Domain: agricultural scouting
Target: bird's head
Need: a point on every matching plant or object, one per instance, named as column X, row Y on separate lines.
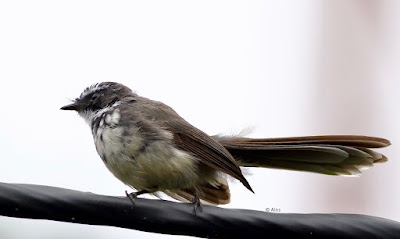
column 98, row 97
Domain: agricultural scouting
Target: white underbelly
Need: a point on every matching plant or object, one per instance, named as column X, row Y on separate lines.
column 158, row 167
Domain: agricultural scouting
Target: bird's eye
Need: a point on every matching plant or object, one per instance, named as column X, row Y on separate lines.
column 95, row 97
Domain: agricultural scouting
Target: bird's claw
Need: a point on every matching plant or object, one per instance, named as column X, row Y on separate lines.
column 196, row 204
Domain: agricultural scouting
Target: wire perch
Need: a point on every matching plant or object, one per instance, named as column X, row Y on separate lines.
column 59, row 204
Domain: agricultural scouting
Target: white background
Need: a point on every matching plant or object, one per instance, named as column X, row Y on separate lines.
column 284, row 68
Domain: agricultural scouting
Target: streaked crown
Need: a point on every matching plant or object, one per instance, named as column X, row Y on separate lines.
column 99, row 96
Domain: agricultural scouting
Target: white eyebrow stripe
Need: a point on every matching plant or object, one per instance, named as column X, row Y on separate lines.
column 93, row 88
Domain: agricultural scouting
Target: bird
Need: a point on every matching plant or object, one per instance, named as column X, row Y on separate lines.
column 151, row 148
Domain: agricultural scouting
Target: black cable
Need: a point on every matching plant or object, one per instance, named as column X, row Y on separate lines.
column 44, row 202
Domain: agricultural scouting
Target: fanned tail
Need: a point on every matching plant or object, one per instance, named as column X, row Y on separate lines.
column 332, row 155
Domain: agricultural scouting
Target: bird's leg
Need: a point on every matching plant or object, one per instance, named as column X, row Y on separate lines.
column 133, row 196
column 196, row 203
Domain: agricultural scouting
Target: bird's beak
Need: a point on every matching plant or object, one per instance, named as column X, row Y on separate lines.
column 74, row 106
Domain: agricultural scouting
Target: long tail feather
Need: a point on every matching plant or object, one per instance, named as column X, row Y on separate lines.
column 332, row 155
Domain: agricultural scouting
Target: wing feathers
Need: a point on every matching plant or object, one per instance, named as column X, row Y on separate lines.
column 190, row 139
column 210, row 153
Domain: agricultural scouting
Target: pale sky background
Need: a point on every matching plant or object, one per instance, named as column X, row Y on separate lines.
column 283, row 68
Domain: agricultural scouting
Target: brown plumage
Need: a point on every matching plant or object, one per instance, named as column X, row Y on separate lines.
column 149, row 147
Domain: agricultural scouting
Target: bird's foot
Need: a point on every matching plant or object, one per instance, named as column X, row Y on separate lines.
column 196, row 203
column 133, row 196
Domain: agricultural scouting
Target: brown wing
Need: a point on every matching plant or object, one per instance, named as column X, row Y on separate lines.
column 206, row 149
column 191, row 139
